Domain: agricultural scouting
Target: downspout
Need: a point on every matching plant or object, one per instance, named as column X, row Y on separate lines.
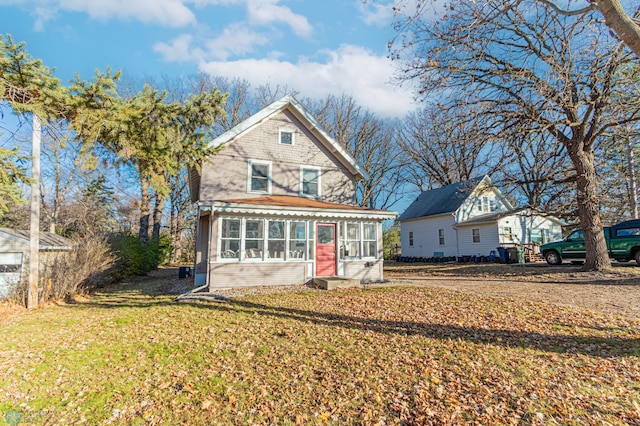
column 455, row 228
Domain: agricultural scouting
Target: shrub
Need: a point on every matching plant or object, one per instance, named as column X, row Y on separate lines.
column 67, row 273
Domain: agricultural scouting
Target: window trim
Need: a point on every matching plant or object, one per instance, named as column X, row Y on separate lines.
column 363, row 241
column 250, row 176
column 315, row 168
column 410, row 238
column 441, row 240
column 473, row 235
column 287, row 130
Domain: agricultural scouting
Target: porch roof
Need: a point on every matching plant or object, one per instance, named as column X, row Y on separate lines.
column 285, row 205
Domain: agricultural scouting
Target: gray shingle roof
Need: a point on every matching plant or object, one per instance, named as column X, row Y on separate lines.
column 441, row 200
column 48, row 241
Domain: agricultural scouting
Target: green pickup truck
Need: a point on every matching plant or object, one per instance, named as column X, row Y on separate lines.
column 623, row 243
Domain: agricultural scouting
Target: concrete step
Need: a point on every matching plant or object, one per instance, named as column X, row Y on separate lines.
column 331, row 283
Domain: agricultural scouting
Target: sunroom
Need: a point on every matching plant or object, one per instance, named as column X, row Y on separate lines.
column 253, row 243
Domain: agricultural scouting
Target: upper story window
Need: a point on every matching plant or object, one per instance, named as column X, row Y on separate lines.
column 286, row 136
column 486, row 204
column 309, row 181
column 259, row 177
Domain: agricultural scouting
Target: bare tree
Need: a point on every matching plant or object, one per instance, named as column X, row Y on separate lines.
column 531, row 70
column 371, row 141
column 622, row 23
column 446, row 146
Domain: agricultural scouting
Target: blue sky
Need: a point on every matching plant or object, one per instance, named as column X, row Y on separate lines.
column 317, row 47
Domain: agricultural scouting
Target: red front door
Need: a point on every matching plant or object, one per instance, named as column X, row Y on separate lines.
column 325, row 249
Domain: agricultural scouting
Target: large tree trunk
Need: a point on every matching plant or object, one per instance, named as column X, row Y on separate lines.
column 157, row 217
column 597, row 257
column 631, row 177
column 145, row 209
column 619, row 21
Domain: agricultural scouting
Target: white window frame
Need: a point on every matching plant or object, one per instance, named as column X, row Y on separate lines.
column 441, row 239
column 285, row 130
column 363, row 241
column 410, row 238
column 250, row 176
column 265, row 240
column 473, row 235
column 315, row 168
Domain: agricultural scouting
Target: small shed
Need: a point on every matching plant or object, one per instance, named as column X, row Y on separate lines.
column 14, row 253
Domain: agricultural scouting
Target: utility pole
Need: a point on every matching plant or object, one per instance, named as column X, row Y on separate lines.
column 34, row 234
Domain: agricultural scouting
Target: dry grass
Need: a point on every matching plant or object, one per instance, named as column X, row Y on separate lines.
column 381, row 356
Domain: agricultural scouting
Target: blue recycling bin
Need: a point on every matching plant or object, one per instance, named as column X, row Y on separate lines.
column 503, row 254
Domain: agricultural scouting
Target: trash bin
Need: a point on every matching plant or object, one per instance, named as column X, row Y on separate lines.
column 520, row 252
column 492, row 256
column 184, row 272
column 512, row 255
column 503, row 255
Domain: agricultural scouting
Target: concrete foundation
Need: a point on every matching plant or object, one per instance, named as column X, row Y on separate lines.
column 331, row 283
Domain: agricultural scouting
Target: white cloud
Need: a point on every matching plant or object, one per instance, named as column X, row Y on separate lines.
column 236, row 39
column 378, row 14
column 43, row 15
column 265, row 12
column 350, row 70
column 169, row 13
column 179, row 50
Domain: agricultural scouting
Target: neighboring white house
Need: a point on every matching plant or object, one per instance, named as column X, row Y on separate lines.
column 14, row 253
column 470, row 218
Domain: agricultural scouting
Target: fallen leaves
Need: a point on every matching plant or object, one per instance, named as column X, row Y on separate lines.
column 392, row 356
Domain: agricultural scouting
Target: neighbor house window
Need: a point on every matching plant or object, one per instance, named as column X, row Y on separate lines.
column 476, row 235
column 286, row 137
column 441, row 236
column 297, row 240
column 253, row 239
column 410, row 239
column 260, row 176
column 309, row 181
column 508, row 233
column 369, row 241
column 275, row 239
column 230, row 239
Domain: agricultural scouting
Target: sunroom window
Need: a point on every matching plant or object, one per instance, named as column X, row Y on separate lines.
column 275, row 239
column 352, row 248
column 254, row 239
column 230, row 239
column 297, row 240
column 369, row 240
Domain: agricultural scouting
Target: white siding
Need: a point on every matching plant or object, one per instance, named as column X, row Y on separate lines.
column 488, row 239
column 468, row 209
column 521, row 226
column 425, row 236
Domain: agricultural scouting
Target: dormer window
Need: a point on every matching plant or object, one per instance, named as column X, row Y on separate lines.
column 286, row 137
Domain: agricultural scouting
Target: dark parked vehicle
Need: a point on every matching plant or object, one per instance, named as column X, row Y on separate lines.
column 623, row 244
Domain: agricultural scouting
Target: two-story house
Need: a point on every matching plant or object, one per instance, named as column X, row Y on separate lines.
column 470, row 218
column 277, row 205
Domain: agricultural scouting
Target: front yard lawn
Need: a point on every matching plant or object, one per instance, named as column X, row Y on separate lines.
column 383, row 356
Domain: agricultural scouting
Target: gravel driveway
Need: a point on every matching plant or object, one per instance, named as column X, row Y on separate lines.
column 616, row 292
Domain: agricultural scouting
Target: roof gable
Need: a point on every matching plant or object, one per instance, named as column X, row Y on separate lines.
column 289, row 103
column 446, row 199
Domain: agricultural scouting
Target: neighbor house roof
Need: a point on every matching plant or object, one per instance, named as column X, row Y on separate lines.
column 48, row 240
column 446, row 199
column 290, row 103
column 287, row 205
